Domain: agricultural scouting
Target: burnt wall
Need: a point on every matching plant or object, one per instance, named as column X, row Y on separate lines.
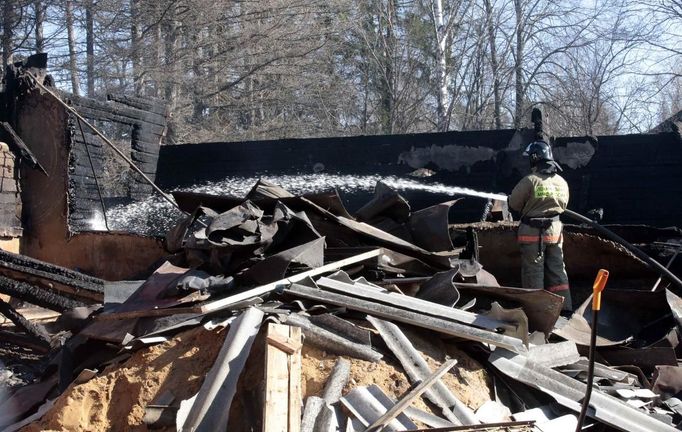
column 10, row 200
column 636, row 179
column 41, row 123
column 458, row 158
column 139, row 124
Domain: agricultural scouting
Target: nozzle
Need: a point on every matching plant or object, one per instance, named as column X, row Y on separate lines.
column 598, row 287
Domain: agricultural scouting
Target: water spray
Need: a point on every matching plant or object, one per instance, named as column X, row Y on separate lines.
column 439, row 188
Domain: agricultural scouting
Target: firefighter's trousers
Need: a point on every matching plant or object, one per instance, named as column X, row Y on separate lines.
column 546, row 270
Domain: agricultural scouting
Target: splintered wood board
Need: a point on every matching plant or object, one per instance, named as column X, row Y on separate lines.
column 282, row 408
column 295, row 366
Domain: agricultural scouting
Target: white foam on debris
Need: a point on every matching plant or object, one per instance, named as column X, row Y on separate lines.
column 155, row 216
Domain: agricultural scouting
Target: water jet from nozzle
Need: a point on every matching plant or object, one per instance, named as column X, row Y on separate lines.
column 439, row 188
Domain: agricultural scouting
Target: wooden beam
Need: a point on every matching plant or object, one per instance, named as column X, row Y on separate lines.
column 276, row 407
column 143, row 313
column 286, row 344
column 282, row 409
column 18, row 145
column 295, row 374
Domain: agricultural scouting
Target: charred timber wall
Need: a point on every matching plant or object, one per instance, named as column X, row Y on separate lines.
column 634, row 178
column 42, row 124
column 143, row 122
column 459, row 158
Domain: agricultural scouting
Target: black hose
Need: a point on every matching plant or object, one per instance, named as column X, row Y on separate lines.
column 652, row 263
column 590, row 372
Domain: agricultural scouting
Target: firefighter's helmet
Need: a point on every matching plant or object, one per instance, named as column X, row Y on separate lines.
column 538, row 151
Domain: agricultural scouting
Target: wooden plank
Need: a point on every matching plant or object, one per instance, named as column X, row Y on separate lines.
column 295, row 372
column 113, row 110
column 156, row 106
column 19, row 146
column 276, row 407
column 147, row 313
column 288, row 345
column 33, row 314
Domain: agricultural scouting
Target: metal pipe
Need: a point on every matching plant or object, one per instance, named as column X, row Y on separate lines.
column 652, row 263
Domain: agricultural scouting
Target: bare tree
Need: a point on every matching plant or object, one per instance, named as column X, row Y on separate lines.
column 90, row 46
column 276, row 68
column 441, row 33
column 9, row 14
column 491, row 26
column 39, row 10
column 73, row 60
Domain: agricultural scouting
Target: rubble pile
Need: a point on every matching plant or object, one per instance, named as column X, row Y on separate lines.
column 278, row 312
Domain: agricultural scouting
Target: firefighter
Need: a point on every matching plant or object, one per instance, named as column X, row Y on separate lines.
column 541, row 197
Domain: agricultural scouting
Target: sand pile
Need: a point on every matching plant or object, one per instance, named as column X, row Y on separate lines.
column 115, row 400
column 468, row 381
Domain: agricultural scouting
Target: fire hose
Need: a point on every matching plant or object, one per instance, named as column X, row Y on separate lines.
column 597, row 288
column 652, row 263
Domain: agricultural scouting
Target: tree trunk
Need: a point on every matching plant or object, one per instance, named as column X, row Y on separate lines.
column 494, row 65
column 171, row 91
column 135, row 48
column 73, row 64
column 90, row 46
column 159, row 51
column 39, row 20
column 518, row 66
column 441, row 67
column 388, row 81
column 199, row 106
column 8, row 10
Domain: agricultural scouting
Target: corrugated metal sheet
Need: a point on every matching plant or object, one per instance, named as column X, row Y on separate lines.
column 569, row 393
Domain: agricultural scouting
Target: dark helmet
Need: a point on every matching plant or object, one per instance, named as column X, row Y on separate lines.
column 539, row 150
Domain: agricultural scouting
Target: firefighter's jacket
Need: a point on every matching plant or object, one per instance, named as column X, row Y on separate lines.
column 540, row 195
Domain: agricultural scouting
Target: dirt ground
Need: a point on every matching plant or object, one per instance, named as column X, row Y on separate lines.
column 115, row 400
column 467, row 380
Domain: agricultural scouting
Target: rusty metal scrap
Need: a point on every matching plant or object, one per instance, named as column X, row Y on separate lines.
column 541, row 307
column 440, row 288
column 269, row 288
column 430, row 228
column 387, row 203
column 649, row 319
column 309, row 255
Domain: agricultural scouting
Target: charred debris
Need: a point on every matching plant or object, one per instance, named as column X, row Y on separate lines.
column 278, row 312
